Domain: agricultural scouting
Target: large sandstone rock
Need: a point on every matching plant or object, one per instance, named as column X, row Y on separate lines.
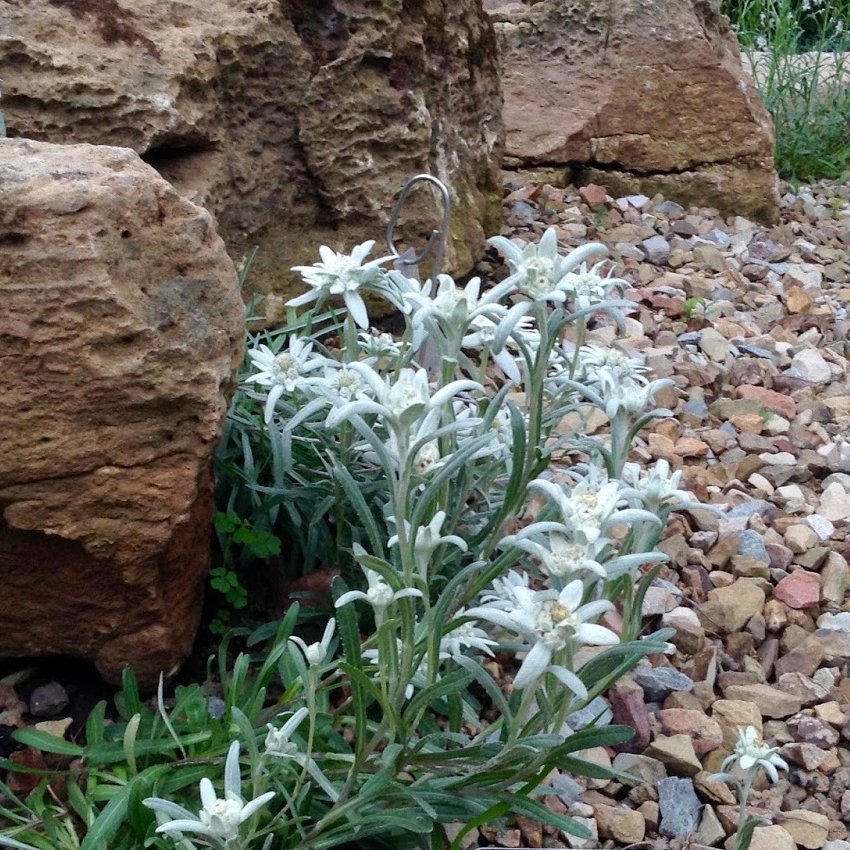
column 293, row 121
column 120, row 333
column 639, row 95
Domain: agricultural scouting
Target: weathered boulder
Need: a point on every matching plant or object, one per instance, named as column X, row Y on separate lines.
column 121, row 330
column 638, row 95
column 293, row 121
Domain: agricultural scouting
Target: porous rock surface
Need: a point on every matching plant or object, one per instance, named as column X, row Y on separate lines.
column 121, row 330
column 641, row 95
column 293, row 121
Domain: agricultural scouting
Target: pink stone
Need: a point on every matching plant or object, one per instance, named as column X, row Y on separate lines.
column 777, row 402
column 629, row 709
column 593, row 195
column 801, row 589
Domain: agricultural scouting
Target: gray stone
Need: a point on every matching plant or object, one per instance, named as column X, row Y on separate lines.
column 752, row 546
column 596, row 712
column 747, row 509
column 659, row 682
column 657, row 249
column 680, row 807
column 48, row 700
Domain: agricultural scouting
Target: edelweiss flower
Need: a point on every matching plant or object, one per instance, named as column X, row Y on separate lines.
column 594, row 360
column 589, row 508
column 426, row 541
column 658, row 486
column 453, row 307
column 751, row 752
column 400, row 402
column 560, row 556
column 585, row 508
column 484, row 330
column 282, row 372
column 220, row 818
column 465, row 636
column 316, row 653
column 378, row 345
column 554, row 621
column 277, row 740
column 341, row 274
column 378, row 594
column 587, row 287
column 539, row 270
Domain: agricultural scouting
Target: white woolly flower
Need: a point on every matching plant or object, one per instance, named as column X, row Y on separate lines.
column 220, row 818
column 752, row 752
column 282, row 372
column 559, row 555
column 278, row 743
column 585, row 508
column 589, row 508
column 378, row 345
column 341, row 384
column 594, row 359
column 401, row 400
column 586, row 287
column 657, row 486
column 538, row 270
column 378, row 594
column 452, row 306
column 427, row 540
column 483, row 330
column 465, row 636
column 316, row 653
column 553, row 621
column 341, row 274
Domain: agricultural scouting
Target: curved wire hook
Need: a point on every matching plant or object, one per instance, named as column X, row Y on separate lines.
column 436, row 241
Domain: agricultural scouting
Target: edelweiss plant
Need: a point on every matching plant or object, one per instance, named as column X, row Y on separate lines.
column 750, row 754
column 467, row 624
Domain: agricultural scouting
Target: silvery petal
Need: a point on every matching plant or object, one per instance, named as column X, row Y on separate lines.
column 168, row 808
column 568, row 678
column 208, row 796
column 350, row 596
column 232, row 774
column 301, row 300
column 596, row 635
column 274, row 396
column 357, row 309
column 185, row 826
column 255, row 805
column 534, row 665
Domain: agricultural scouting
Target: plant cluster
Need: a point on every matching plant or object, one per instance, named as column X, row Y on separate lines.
column 740, row 769
column 797, row 50
column 467, row 633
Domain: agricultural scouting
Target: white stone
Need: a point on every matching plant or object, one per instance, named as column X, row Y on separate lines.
column 834, row 502
column 809, row 365
column 821, row 526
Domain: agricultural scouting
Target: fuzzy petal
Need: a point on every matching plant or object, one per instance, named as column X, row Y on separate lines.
column 274, row 396
column 255, row 805
column 594, row 635
column 350, row 596
column 569, row 679
column 534, row 666
column 232, row 774
column 208, row 797
column 357, row 309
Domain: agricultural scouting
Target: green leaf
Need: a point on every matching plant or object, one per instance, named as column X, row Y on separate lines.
column 5, row 841
column 452, row 683
column 47, row 743
column 377, row 536
column 226, row 522
column 95, row 723
column 108, row 822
